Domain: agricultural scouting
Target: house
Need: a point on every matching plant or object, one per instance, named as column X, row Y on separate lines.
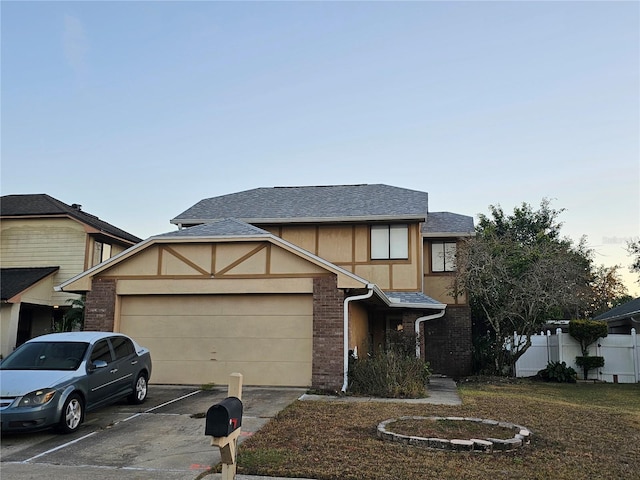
column 283, row 284
column 44, row 242
column 623, row 318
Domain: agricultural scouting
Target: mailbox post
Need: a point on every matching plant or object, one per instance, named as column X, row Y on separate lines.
column 224, row 421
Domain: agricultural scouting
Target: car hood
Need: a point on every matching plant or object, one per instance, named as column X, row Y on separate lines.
column 14, row 383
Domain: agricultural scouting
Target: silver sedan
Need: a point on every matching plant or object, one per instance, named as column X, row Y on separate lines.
column 52, row 380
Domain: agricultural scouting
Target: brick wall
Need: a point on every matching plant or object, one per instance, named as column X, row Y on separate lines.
column 328, row 338
column 99, row 311
column 447, row 342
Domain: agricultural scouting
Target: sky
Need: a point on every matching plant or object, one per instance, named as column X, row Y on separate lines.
column 138, row 110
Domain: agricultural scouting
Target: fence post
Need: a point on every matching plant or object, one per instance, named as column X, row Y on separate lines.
column 636, row 360
column 560, row 349
column 548, row 347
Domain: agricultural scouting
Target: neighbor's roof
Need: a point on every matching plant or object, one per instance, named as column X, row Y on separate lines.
column 625, row 310
column 447, row 223
column 43, row 205
column 16, row 280
column 311, row 204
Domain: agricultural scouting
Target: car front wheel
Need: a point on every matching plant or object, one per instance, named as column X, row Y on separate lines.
column 72, row 414
column 140, row 389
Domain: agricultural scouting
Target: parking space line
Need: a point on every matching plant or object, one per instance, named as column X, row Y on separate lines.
column 59, row 447
column 172, row 401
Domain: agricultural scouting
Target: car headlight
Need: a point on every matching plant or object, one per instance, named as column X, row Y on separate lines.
column 37, row 398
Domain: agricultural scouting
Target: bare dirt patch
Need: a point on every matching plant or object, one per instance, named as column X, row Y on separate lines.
column 444, row 428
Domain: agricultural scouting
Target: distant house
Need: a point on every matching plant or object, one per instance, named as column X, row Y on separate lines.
column 44, row 242
column 623, row 318
column 283, row 284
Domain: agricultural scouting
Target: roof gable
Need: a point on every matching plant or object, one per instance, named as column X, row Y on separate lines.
column 43, row 205
column 227, row 227
column 311, row 204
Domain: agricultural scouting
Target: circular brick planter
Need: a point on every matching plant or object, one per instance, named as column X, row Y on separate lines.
column 522, row 436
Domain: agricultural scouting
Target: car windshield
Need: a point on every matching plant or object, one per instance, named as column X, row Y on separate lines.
column 46, row 356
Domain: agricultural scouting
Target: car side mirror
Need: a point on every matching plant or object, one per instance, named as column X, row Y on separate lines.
column 97, row 364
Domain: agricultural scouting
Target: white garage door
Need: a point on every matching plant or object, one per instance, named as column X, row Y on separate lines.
column 201, row 339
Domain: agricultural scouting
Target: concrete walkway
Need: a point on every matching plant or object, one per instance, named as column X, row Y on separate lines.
column 441, row 391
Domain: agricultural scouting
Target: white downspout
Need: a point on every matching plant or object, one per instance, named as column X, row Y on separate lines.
column 419, row 321
column 347, row 301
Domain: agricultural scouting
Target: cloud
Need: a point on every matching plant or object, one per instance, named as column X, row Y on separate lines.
column 75, row 44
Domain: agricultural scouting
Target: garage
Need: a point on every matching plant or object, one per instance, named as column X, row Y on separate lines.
column 200, row 339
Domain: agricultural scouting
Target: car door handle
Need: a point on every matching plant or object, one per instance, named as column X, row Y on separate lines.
column 134, row 362
column 113, row 371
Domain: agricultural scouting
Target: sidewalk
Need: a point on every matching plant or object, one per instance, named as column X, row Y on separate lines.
column 441, row 391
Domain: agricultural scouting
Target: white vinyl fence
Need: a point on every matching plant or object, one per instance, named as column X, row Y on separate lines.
column 621, row 356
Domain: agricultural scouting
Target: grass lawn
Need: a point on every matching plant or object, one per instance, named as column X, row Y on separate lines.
column 580, row 431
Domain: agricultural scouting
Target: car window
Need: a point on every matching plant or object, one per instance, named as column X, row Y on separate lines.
column 122, row 346
column 46, row 356
column 101, row 351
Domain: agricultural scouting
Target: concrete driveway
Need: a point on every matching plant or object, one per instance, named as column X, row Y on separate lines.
column 161, row 439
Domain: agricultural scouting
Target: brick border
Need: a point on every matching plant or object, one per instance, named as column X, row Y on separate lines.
column 486, row 445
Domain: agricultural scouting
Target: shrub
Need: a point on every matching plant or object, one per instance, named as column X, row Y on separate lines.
column 396, row 373
column 587, row 332
column 589, row 363
column 558, row 372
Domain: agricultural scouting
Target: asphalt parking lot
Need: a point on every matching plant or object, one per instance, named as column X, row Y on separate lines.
column 161, row 439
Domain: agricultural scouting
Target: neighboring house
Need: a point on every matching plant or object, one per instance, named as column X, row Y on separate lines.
column 623, row 318
column 44, row 242
column 283, row 284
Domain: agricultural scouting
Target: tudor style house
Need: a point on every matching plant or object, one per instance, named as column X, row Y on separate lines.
column 44, row 242
column 283, row 284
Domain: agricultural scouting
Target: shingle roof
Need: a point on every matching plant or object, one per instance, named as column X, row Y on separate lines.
column 44, row 205
column 16, row 280
column 414, row 298
column 447, row 223
column 628, row 309
column 228, row 227
column 311, row 204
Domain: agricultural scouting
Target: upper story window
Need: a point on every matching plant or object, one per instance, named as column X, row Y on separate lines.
column 389, row 242
column 443, row 256
column 101, row 252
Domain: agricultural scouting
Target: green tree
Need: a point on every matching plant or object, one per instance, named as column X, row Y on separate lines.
column 606, row 290
column 519, row 273
column 73, row 318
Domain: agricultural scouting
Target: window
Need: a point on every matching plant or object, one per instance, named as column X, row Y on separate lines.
column 101, row 351
column 122, row 346
column 101, row 252
column 389, row 242
column 443, row 256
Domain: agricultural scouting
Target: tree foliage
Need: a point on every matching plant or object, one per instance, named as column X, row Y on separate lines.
column 606, row 290
column 633, row 247
column 587, row 331
column 519, row 273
